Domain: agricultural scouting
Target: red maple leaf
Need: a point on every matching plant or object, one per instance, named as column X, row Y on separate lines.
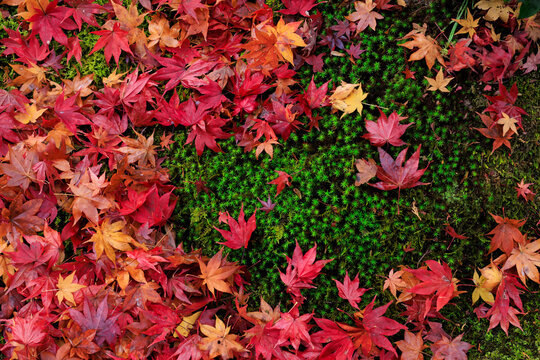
column 350, row 291
column 302, row 270
column 337, row 337
column 99, row 319
column 505, row 234
column 437, row 281
column 376, row 328
column 394, row 175
column 504, row 103
column 69, row 112
column 282, row 180
column 48, row 23
column 312, row 99
column 298, row 7
column 293, row 329
column 240, row 231
column 114, row 41
column 156, row 209
column 386, row 130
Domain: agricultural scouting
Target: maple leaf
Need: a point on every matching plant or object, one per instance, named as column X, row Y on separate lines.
column 508, row 124
column 109, row 236
column 437, row 281
column 27, row 331
column 282, row 180
column 69, row 112
column 439, row 83
column 524, row 191
column 480, row 290
column 30, row 115
column 394, row 175
column 293, row 329
column 306, row 269
column 376, row 328
column 461, row 56
column 386, row 130
column 218, row 341
column 367, row 169
column 348, row 98
column 364, row 15
column 48, row 20
column 301, row 7
column 494, row 131
column 526, row 259
column 412, row 346
column 394, row 282
column 504, row 103
column 114, row 41
column 349, row 290
column 162, row 33
column 468, row 25
column 450, row 349
column 215, row 275
column 98, row 319
column 313, row 98
column 428, row 49
column 240, row 231
column 286, row 38
column 140, row 150
column 496, row 9
column 267, row 205
column 22, row 215
column 505, row 234
column 20, row 169
column 66, row 288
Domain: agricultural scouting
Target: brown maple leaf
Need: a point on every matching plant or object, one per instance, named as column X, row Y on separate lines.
column 526, row 259
column 427, row 48
column 468, row 25
column 412, row 346
column 162, row 34
column 22, row 215
column 218, row 341
column 20, row 167
column 216, row 275
column 439, row 83
column 367, row 169
column 141, row 150
column 364, row 15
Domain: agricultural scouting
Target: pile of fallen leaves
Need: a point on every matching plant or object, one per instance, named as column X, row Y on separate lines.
column 113, row 283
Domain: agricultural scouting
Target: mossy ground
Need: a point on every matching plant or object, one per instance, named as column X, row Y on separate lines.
column 360, row 227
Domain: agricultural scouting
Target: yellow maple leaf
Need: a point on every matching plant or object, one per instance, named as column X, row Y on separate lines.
column 496, row 9
column 218, row 341
column 286, row 38
column 31, row 115
column 348, row 98
column 468, row 24
column 186, row 325
column 480, row 291
column 109, row 237
column 508, row 123
column 66, row 288
column 439, row 83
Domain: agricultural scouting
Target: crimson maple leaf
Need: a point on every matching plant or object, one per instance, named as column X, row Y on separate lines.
column 302, row 270
column 386, row 130
column 282, row 180
column 350, row 291
column 376, row 328
column 504, row 103
column 27, row 332
column 48, row 23
column 69, row 112
column 338, row 338
column 394, row 175
column 501, row 313
column 114, row 41
column 293, row 329
column 312, row 99
column 437, row 281
column 240, row 231
column 298, row 7
column 156, row 209
column 505, row 234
